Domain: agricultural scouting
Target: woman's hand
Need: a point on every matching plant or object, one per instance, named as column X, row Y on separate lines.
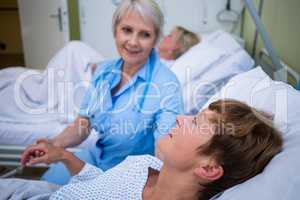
column 42, row 152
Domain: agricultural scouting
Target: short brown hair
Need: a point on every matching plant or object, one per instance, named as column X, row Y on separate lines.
column 186, row 39
column 244, row 142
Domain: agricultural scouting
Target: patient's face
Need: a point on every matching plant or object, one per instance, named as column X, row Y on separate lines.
column 169, row 42
column 179, row 147
column 135, row 38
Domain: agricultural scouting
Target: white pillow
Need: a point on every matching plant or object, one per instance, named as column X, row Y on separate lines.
column 208, row 66
column 198, row 90
column 281, row 178
column 223, row 40
column 195, row 61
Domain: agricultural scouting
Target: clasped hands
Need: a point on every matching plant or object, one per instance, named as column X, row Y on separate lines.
column 42, row 152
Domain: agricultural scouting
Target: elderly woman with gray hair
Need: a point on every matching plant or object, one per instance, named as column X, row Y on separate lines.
column 131, row 102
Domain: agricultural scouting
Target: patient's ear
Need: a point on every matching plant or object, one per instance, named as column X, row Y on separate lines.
column 209, row 170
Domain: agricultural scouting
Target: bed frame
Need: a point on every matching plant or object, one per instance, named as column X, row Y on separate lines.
column 292, row 76
column 10, row 157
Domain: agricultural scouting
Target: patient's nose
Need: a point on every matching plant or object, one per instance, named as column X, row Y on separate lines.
column 183, row 119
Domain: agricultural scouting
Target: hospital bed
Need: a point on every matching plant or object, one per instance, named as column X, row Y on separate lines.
column 280, row 180
column 47, row 105
column 213, row 65
column 10, row 152
column 232, row 56
column 18, row 129
column 10, row 157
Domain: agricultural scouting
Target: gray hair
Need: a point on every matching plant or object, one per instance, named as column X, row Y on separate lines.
column 148, row 9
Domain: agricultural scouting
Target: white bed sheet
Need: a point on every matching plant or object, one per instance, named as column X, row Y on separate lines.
column 26, row 134
column 18, row 127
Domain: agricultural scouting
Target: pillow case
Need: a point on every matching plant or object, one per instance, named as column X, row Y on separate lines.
column 281, row 178
column 208, row 66
column 196, row 60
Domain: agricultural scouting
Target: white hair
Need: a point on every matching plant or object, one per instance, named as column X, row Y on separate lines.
column 148, row 9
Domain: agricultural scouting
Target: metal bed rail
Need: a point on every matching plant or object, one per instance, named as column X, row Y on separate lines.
column 271, row 70
column 10, row 156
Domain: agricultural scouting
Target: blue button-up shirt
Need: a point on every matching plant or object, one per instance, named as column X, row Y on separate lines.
column 131, row 120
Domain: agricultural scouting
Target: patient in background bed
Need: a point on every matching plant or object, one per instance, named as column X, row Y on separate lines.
column 224, row 145
column 175, row 44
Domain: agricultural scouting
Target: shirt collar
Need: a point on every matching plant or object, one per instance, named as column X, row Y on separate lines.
column 142, row 72
column 151, row 62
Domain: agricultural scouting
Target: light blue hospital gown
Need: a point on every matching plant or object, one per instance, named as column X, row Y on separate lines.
column 126, row 181
column 130, row 121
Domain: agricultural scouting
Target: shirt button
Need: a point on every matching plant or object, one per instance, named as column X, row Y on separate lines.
column 93, row 116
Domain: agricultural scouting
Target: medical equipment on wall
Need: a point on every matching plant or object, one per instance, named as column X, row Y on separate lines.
column 229, row 16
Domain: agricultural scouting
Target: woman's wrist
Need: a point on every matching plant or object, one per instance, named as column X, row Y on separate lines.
column 66, row 157
column 55, row 143
column 73, row 163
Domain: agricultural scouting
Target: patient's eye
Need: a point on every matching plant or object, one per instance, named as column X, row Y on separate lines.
column 194, row 121
column 178, row 123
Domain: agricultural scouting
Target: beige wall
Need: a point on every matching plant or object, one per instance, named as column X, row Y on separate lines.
column 282, row 21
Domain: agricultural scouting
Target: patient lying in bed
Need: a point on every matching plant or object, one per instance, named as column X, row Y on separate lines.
column 179, row 41
column 224, row 145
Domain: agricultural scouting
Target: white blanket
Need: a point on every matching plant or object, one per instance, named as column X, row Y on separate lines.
column 30, row 96
column 19, row 189
column 38, row 104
